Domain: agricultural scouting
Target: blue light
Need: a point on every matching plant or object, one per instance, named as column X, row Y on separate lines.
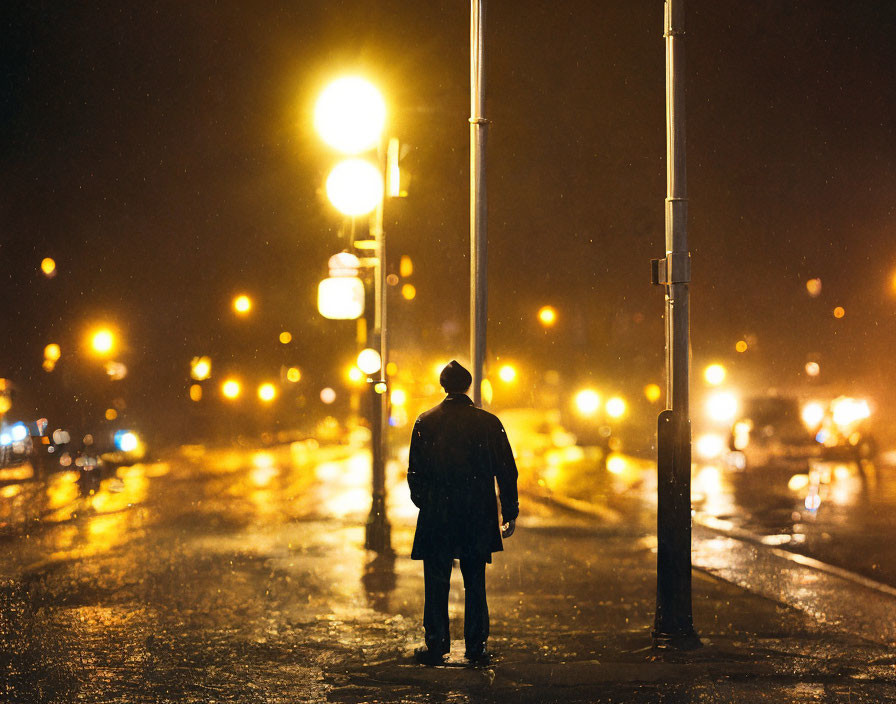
column 822, row 436
column 19, row 432
column 5, row 439
column 125, row 440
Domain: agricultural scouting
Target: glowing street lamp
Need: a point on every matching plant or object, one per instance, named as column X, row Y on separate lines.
column 200, row 368
column 616, row 407
column 715, row 374
column 369, row 361
column 350, row 115
column 102, row 341
column 341, row 296
column 587, row 402
column 507, row 373
column 355, row 187
column 231, row 389
column 242, row 304
column 267, row 392
column 547, row 316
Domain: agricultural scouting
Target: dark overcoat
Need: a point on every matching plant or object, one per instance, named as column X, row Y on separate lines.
column 457, row 452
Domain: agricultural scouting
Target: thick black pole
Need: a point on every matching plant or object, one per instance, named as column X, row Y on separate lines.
column 674, row 617
column 378, row 534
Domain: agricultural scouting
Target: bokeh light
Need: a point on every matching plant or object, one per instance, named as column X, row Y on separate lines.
column 285, row 337
column 242, row 304
column 102, row 341
column 813, row 368
column 616, row 407
column 715, row 374
column 195, row 392
column 653, row 392
column 354, row 187
column 839, row 312
column 48, row 266
column 369, row 361
column 812, row 414
column 507, row 373
column 813, row 286
column 327, row 395
column 722, row 406
column 409, row 292
column 587, row 402
column 200, row 368
column 293, row 374
column 231, row 389
column 350, row 115
column 741, row 346
column 267, row 392
column 547, row 316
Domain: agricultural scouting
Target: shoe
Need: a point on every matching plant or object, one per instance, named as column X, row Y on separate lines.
column 425, row 656
column 478, row 656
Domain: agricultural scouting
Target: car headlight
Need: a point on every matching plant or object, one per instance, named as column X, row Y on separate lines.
column 710, row 446
column 126, row 441
column 722, row 406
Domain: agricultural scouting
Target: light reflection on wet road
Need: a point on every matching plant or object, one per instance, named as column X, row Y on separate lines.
column 238, row 575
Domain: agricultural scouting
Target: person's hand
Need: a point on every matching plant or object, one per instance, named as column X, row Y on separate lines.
column 508, row 528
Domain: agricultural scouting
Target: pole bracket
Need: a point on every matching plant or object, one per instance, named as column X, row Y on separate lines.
column 479, row 121
column 674, row 268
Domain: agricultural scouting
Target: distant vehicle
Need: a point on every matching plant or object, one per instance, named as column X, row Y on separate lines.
column 770, row 430
column 779, row 430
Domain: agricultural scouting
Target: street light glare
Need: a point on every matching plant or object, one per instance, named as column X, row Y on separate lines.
column 547, row 316
column 231, row 388
column 102, row 341
column 369, row 361
column 715, row 374
column 507, row 373
column 242, row 304
column 267, row 392
column 355, row 187
column 587, row 402
column 616, row 407
column 350, row 115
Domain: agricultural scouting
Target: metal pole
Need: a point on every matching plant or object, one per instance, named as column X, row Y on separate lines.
column 478, row 202
column 674, row 617
column 378, row 530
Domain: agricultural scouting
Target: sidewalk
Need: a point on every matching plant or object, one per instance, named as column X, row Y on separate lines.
column 582, row 634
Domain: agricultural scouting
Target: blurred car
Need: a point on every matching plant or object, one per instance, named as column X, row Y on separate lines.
column 780, row 430
column 770, row 430
column 843, row 429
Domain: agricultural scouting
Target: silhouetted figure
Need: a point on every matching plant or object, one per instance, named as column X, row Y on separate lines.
column 457, row 452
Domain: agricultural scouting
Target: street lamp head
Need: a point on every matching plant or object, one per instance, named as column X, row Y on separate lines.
column 355, row 187
column 369, row 361
column 102, row 341
column 350, row 115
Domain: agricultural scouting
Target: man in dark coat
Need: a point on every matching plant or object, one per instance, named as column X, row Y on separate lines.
column 457, row 452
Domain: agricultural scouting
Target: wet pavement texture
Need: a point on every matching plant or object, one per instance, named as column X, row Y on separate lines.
column 240, row 576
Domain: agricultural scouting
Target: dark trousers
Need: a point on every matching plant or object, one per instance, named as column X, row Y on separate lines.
column 437, row 582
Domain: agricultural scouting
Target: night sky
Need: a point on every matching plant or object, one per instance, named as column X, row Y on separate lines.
column 163, row 154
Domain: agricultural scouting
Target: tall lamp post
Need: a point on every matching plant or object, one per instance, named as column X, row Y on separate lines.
column 350, row 116
column 674, row 619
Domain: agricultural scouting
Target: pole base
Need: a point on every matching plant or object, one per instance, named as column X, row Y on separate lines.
column 677, row 641
column 378, row 534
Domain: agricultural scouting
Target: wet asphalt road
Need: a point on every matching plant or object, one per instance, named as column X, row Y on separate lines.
column 238, row 576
